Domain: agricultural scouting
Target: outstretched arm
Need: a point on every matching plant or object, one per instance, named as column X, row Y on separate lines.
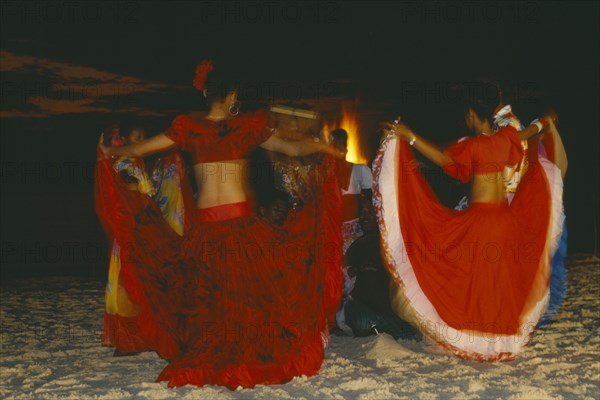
column 542, row 124
column 546, row 126
column 296, row 148
column 140, row 149
column 528, row 132
column 428, row 149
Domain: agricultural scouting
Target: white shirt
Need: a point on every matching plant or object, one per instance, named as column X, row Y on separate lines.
column 361, row 179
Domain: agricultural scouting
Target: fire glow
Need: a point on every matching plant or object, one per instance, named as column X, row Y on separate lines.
column 349, row 123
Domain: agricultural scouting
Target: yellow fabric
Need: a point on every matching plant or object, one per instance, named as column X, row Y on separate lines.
column 513, row 175
column 170, row 199
column 172, row 205
column 116, row 299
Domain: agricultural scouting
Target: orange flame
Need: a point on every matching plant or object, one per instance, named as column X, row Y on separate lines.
column 349, row 123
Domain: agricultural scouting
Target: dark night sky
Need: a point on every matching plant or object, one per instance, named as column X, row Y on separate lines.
column 69, row 68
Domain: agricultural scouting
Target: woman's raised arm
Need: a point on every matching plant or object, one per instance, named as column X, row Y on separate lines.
column 428, row 149
column 537, row 126
column 296, row 148
column 141, row 149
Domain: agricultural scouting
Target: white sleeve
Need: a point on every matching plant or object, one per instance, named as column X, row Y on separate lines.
column 366, row 178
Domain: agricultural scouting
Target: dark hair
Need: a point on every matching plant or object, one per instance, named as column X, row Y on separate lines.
column 220, row 82
column 339, row 134
column 483, row 97
column 124, row 130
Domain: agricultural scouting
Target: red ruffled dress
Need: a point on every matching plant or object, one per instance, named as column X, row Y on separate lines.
column 475, row 281
column 233, row 302
column 120, row 326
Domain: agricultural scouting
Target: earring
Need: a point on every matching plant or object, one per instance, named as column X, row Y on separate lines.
column 234, row 108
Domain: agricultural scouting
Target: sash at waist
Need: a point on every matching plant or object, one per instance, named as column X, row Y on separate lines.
column 223, row 212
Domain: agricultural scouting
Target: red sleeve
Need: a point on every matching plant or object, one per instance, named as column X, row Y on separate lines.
column 242, row 135
column 256, row 126
column 188, row 133
column 178, row 130
column 515, row 154
column 249, row 131
column 462, row 167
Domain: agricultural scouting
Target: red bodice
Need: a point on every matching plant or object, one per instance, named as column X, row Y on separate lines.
column 484, row 154
column 210, row 141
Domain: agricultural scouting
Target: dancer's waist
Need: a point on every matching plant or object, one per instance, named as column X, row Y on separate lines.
column 223, row 212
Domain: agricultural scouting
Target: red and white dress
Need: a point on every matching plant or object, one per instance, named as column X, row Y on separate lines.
column 475, row 281
column 232, row 302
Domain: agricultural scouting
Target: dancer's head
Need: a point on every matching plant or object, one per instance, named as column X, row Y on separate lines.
column 216, row 84
column 481, row 101
column 136, row 135
column 339, row 140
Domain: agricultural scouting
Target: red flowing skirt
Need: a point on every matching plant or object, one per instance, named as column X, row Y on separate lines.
column 250, row 307
column 475, row 281
column 235, row 301
column 124, row 213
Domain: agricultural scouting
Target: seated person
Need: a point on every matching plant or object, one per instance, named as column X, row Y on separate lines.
column 355, row 180
column 366, row 309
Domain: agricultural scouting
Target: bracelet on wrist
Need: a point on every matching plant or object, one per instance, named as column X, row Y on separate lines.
column 538, row 124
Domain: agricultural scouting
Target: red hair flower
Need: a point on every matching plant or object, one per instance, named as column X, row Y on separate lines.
column 202, row 71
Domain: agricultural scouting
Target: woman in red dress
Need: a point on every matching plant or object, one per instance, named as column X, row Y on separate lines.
column 121, row 325
column 228, row 303
column 474, row 281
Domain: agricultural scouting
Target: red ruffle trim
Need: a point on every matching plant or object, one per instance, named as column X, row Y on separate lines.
column 307, row 361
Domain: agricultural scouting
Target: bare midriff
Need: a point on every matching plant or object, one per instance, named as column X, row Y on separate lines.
column 488, row 188
column 220, row 183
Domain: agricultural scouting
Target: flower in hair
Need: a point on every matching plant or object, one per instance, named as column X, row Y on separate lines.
column 202, row 71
